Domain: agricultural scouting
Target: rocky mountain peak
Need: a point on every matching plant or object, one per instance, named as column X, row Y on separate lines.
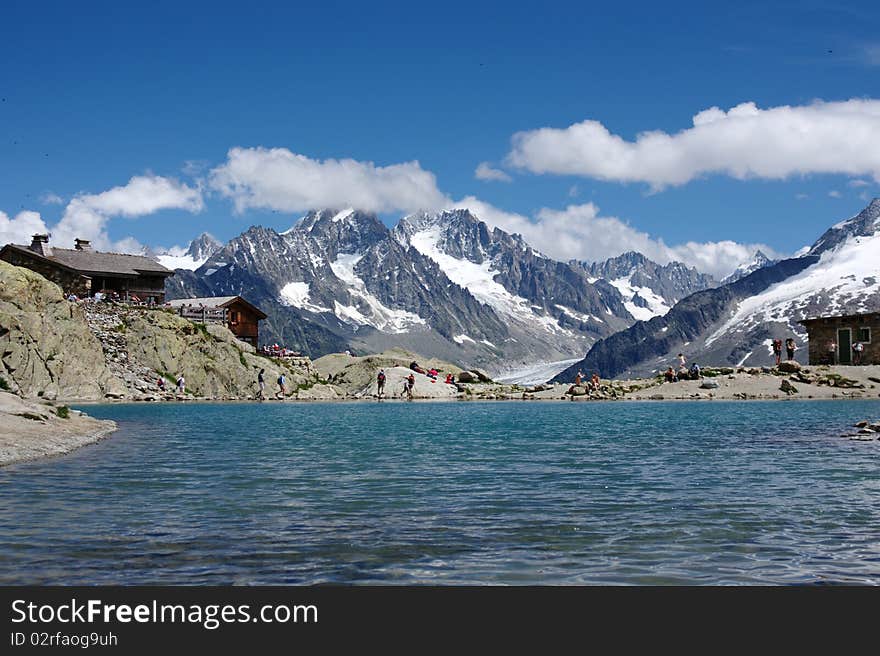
column 203, row 247
column 864, row 224
column 758, row 261
column 340, row 231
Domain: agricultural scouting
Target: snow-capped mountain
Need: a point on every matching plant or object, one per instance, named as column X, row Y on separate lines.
column 649, row 289
column 191, row 258
column 736, row 322
column 441, row 283
column 757, row 261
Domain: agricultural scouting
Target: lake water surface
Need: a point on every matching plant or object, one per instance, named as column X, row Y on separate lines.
column 505, row 492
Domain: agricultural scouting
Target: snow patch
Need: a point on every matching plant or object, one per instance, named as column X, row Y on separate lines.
column 174, row 260
column 341, row 216
column 479, row 280
column 577, row 315
column 296, row 294
column 656, row 304
column 379, row 316
column 461, row 339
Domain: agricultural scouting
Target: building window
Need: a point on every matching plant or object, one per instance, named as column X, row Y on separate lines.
column 864, row 335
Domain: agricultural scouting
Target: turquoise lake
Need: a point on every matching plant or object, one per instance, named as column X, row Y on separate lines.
column 505, row 492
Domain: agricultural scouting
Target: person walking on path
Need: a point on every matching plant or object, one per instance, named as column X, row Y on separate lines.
column 777, row 350
column 410, row 387
column 261, row 383
column 380, row 384
column 790, row 348
column 281, row 389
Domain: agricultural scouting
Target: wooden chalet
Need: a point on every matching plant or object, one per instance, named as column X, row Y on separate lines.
column 240, row 316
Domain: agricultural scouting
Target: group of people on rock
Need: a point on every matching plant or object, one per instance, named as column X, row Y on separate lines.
column 683, row 372
column 103, row 296
column 409, row 383
column 276, row 351
column 593, row 384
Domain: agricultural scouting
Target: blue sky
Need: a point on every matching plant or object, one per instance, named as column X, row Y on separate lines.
column 96, row 93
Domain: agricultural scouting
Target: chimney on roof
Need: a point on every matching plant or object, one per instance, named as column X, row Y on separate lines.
column 40, row 244
column 82, row 244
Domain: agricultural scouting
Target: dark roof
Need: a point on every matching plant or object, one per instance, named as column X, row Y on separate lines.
column 843, row 317
column 89, row 261
column 216, row 301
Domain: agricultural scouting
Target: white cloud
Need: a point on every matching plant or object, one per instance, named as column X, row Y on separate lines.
column 744, row 142
column 276, row 178
column 50, row 198
column 579, row 232
column 143, row 194
column 486, row 172
column 86, row 215
column 19, row 229
column 802, row 196
column 834, row 193
column 574, row 191
column 858, row 183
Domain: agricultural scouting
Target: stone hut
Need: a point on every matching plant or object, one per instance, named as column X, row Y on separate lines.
column 844, row 332
column 83, row 272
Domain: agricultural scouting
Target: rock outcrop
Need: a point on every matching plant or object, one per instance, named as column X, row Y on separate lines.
column 56, row 349
column 36, row 429
column 46, row 347
column 141, row 345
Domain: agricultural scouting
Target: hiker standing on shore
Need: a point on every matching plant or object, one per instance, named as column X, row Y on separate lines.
column 412, row 384
column 281, row 389
column 261, row 383
column 181, row 385
column 790, row 348
column 578, row 378
column 777, row 350
column 380, row 384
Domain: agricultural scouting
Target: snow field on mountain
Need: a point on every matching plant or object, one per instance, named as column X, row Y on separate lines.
column 479, row 280
column 656, row 304
column 185, row 261
column 380, row 316
column 849, row 272
column 296, row 294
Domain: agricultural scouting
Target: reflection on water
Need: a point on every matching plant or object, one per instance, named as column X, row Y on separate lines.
column 453, row 493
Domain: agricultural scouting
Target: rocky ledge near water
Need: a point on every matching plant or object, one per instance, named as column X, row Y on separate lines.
column 30, row 430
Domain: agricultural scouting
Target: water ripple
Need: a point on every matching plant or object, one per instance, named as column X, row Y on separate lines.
column 574, row 493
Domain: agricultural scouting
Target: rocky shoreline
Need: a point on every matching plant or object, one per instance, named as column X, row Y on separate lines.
column 32, row 431
column 724, row 384
column 37, row 429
